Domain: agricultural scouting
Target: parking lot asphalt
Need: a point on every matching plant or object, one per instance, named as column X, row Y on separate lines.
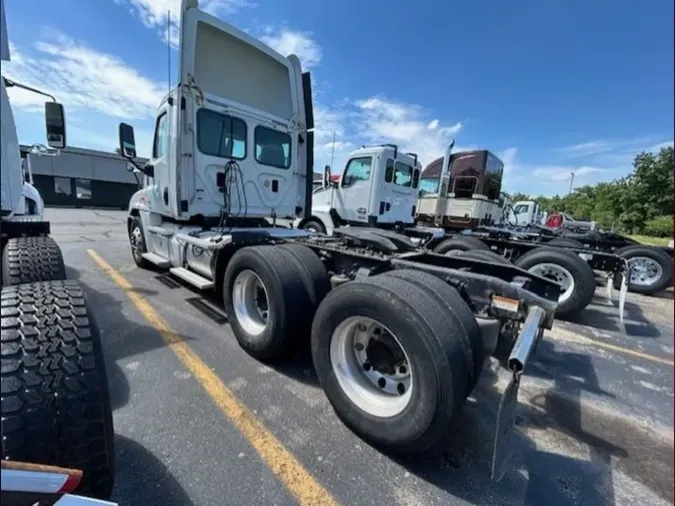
column 594, row 427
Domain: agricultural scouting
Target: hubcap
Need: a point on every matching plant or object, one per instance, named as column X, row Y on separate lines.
column 559, row 275
column 644, row 271
column 136, row 240
column 371, row 366
column 250, row 301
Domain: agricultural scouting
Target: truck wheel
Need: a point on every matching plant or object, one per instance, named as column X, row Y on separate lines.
column 390, row 359
column 55, row 403
column 572, row 273
column 462, row 243
column 31, row 259
column 565, row 242
column 651, row 269
column 137, row 243
column 315, row 226
column 450, row 299
column 314, row 275
column 265, row 300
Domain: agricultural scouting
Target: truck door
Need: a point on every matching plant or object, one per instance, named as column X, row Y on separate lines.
column 398, row 194
column 352, row 200
column 523, row 213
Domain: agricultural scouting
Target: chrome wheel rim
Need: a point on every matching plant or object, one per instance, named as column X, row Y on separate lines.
column 644, row 271
column 250, row 301
column 371, row 366
column 136, row 240
column 559, row 275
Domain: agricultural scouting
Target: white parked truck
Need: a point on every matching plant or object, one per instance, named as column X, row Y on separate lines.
column 398, row 335
column 378, row 187
column 55, row 406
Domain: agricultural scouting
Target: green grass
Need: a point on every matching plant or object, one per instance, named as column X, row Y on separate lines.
column 653, row 241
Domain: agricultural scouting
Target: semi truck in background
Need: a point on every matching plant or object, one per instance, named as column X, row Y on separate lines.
column 52, row 361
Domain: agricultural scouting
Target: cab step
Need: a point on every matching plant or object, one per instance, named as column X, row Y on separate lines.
column 192, row 277
column 157, row 260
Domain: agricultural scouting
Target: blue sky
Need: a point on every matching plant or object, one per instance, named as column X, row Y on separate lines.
column 551, row 86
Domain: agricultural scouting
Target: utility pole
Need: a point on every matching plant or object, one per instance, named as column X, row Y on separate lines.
column 571, row 183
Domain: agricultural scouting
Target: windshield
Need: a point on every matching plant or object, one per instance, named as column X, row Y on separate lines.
column 428, row 185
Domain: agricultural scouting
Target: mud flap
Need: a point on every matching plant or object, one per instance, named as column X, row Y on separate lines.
column 502, row 449
column 622, row 297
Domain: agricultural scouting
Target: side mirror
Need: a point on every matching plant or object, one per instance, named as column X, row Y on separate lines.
column 127, row 142
column 56, row 125
column 326, row 176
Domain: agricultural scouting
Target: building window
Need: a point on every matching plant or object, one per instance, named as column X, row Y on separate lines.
column 272, row 148
column 83, row 189
column 220, row 135
column 62, row 186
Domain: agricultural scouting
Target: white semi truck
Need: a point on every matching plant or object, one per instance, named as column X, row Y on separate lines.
column 57, row 433
column 398, row 334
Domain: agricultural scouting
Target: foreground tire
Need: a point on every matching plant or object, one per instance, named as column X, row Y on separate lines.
column 461, row 243
column 137, row 243
column 55, row 402
column 391, row 361
column 450, row 300
column 265, row 299
column 652, row 269
column 567, row 269
column 565, row 242
column 31, row 259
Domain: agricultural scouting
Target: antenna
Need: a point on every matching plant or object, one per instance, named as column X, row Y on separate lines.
column 168, row 47
column 332, row 153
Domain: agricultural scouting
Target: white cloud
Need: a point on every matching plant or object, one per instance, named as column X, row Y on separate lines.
column 588, row 148
column 563, row 173
column 301, row 44
column 80, row 78
column 379, row 120
column 155, row 13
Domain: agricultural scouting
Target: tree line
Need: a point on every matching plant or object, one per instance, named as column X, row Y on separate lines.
column 640, row 203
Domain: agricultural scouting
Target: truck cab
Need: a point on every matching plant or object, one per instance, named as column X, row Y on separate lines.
column 527, row 213
column 461, row 190
column 378, row 186
column 231, row 149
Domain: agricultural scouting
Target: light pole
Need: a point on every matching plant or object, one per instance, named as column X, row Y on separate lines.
column 571, row 183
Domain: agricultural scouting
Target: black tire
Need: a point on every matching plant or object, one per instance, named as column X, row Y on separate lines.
column 431, row 337
column 314, row 225
column 32, row 259
column 582, row 274
column 137, row 243
column 659, row 256
column 313, row 275
column 55, row 401
column 287, row 300
column 565, row 242
column 448, row 297
column 462, row 243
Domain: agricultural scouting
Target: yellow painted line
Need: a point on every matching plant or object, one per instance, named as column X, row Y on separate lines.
column 301, row 484
column 571, row 337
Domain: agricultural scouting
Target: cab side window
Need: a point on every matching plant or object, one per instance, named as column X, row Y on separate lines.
column 161, row 140
column 403, row 174
column 389, row 172
column 358, row 169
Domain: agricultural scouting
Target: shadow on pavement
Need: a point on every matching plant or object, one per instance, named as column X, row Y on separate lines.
column 143, row 479
column 120, row 338
column 606, row 318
